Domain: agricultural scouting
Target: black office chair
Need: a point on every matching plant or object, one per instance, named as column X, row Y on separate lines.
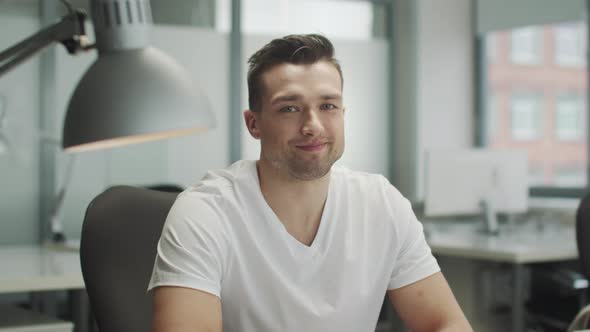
column 558, row 289
column 172, row 188
column 117, row 251
column 582, row 320
column 583, row 234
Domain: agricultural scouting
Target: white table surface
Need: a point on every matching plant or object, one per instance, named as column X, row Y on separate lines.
column 39, row 268
column 517, row 244
column 520, row 244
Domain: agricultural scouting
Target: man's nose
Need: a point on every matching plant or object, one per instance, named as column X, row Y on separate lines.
column 312, row 125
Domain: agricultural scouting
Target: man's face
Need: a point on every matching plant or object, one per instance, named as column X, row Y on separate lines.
column 301, row 121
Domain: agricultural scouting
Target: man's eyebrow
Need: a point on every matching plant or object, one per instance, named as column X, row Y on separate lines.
column 296, row 97
column 284, row 98
column 331, row 96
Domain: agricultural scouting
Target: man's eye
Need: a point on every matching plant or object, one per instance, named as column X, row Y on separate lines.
column 288, row 109
column 328, row 107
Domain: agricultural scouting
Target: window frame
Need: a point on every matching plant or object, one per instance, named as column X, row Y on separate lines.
column 480, row 101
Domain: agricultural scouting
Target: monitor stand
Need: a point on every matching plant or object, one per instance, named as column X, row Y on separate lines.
column 490, row 220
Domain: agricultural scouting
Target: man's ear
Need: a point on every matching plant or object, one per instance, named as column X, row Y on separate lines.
column 251, row 120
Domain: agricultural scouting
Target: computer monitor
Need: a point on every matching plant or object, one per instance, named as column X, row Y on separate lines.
column 475, row 181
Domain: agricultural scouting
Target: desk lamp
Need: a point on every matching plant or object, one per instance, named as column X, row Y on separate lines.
column 132, row 93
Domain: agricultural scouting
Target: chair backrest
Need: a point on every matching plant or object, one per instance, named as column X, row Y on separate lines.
column 117, row 252
column 583, row 234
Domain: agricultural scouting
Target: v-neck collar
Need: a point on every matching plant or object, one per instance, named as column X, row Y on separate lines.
column 296, row 247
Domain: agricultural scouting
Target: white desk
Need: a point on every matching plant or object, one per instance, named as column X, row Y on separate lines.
column 519, row 246
column 39, row 268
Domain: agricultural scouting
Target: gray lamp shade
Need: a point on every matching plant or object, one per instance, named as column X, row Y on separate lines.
column 133, row 96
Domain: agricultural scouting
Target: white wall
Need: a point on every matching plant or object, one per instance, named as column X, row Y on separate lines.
column 445, row 83
column 365, row 66
column 433, row 85
column 404, row 131
column 205, row 54
column 19, row 89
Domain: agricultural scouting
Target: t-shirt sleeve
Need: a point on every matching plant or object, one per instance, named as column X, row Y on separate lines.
column 192, row 248
column 414, row 260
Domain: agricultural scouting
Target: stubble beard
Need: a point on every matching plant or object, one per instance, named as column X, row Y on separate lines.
column 306, row 169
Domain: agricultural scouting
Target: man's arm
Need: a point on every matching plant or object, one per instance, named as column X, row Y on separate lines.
column 184, row 309
column 429, row 305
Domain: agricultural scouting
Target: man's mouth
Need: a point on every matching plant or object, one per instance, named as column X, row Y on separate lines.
column 311, row 147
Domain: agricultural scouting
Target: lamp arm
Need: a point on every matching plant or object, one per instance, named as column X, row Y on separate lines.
column 70, row 31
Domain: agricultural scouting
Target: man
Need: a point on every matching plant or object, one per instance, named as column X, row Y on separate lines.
column 288, row 242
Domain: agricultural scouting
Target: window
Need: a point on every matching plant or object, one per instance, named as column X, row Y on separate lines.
column 540, row 109
column 526, row 46
column 570, row 43
column 343, row 19
column 525, row 117
column 569, row 118
column 352, row 20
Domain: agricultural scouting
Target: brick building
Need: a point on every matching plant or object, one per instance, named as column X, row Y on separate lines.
column 536, row 100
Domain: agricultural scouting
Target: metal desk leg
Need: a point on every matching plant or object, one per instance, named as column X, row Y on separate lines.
column 518, row 282
column 44, row 302
column 80, row 309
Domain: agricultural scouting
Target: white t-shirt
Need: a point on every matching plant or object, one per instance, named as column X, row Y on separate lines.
column 222, row 237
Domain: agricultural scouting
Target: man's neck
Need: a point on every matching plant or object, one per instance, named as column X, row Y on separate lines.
column 298, row 204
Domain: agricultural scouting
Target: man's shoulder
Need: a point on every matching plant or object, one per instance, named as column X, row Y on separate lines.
column 374, row 185
column 205, row 203
column 361, row 177
column 221, row 182
column 218, row 188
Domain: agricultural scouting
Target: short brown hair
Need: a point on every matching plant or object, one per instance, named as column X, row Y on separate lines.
column 294, row 49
